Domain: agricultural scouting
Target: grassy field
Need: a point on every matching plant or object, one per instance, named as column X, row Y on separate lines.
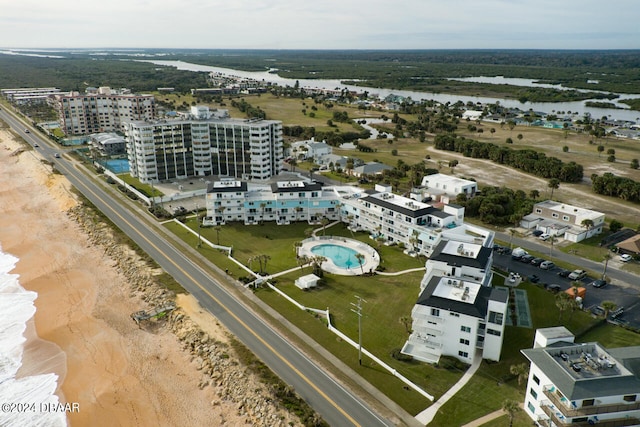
column 382, row 330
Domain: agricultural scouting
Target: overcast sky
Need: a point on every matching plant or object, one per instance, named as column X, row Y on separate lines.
column 327, row 24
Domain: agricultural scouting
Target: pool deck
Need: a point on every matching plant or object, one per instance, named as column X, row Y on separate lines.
column 371, row 256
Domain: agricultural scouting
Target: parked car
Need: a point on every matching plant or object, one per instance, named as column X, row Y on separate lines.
column 56, row 155
column 625, row 257
column 27, row 131
column 564, row 273
column 544, row 236
column 554, row 288
column 577, row 275
column 537, row 261
column 534, row 279
column 548, row 265
column 599, row 283
column 527, row 258
column 537, row 233
column 36, row 145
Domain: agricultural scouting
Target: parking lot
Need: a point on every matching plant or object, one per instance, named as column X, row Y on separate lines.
column 626, row 297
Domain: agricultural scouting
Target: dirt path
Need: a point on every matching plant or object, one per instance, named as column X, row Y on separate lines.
column 488, row 173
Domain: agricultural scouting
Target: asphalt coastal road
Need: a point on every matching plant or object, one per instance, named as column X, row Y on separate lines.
column 334, row 403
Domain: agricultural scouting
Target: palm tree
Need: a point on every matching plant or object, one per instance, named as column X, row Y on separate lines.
column 534, row 194
column 605, row 258
column 297, row 246
column 360, row 259
column 511, row 407
column 406, row 321
column 413, row 240
column 563, row 302
column 324, row 221
column 262, row 207
column 587, row 223
column 220, row 210
column 339, row 208
column 512, row 232
column 553, row 184
column 302, row 261
column 608, row 307
column 217, row 228
column 298, row 209
column 521, row 371
column 317, row 261
column 552, row 240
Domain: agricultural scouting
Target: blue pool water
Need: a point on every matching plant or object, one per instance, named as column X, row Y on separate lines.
column 341, row 256
column 116, row 165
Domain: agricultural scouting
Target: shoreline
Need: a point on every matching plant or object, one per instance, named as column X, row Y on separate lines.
column 118, row 373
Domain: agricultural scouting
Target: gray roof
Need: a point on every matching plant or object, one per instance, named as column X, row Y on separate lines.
column 307, row 186
column 413, row 213
column 477, row 309
column 372, row 167
column 480, row 261
column 588, row 385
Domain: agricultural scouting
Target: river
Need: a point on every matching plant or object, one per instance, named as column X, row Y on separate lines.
column 578, row 107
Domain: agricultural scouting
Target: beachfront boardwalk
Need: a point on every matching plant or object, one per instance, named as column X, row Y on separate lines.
column 426, row 416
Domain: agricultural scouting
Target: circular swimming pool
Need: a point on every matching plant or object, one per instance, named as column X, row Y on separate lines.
column 341, row 256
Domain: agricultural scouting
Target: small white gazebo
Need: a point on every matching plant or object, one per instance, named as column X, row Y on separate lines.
column 308, row 281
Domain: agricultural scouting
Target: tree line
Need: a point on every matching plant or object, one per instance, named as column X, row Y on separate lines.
column 498, row 205
column 528, row 161
column 616, row 186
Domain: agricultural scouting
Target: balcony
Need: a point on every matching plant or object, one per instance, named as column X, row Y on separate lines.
column 560, row 420
column 556, row 399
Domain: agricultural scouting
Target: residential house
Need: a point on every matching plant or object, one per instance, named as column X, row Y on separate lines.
column 370, row 168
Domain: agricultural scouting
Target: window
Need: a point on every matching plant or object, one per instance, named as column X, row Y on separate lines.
column 465, row 328
column 587, row 402
column 533, row 393
column 493, row 332
column 630, row 398
column 565, row 218
column 463, row 354
column 554, row 215
column 531, row 408
column 435, row 312
column 464, row 341
column 538, row 210
column 536, row 379
column 495, row 317
column 451, row 313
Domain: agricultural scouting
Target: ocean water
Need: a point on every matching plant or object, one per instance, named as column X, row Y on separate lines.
column 27, row 384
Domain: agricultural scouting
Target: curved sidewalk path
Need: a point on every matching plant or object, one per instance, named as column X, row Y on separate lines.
column 397, row 273
column 426, row 416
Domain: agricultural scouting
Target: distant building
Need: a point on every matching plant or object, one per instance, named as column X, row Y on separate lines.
column 204, row 145
column 318, row 152
column 445, row 188
column 108, row 144
column 574, row 384
column 563, row 220
column 34, row 95
column 101, row 110
column 370, row 168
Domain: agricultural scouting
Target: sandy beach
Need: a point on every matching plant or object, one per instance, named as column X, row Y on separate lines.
column 118, row 373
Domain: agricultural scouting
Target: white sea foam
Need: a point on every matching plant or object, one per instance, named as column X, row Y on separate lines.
column 23, row 396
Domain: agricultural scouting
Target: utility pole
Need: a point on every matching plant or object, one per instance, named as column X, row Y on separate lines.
column 358, row 311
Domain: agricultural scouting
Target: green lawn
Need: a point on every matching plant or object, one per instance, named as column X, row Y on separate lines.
column 388, row 298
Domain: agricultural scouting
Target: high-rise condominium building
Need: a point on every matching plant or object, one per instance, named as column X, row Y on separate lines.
column 204, row 145
column 101, row 110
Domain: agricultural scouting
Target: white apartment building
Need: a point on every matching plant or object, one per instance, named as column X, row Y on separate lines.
column 202, row 145
column 284, row 202
column 581, row 384
column 313, row 150
column 101, row 110
column 458, row 313
column 563, row 220
column 446, row 188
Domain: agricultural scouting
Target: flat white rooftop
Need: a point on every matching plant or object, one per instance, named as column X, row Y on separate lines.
column 457, row 290
column 468, row 250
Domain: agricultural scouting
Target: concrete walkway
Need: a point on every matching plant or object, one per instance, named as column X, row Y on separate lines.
column 483, row 420
column 397, row 273
column 426, row 416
